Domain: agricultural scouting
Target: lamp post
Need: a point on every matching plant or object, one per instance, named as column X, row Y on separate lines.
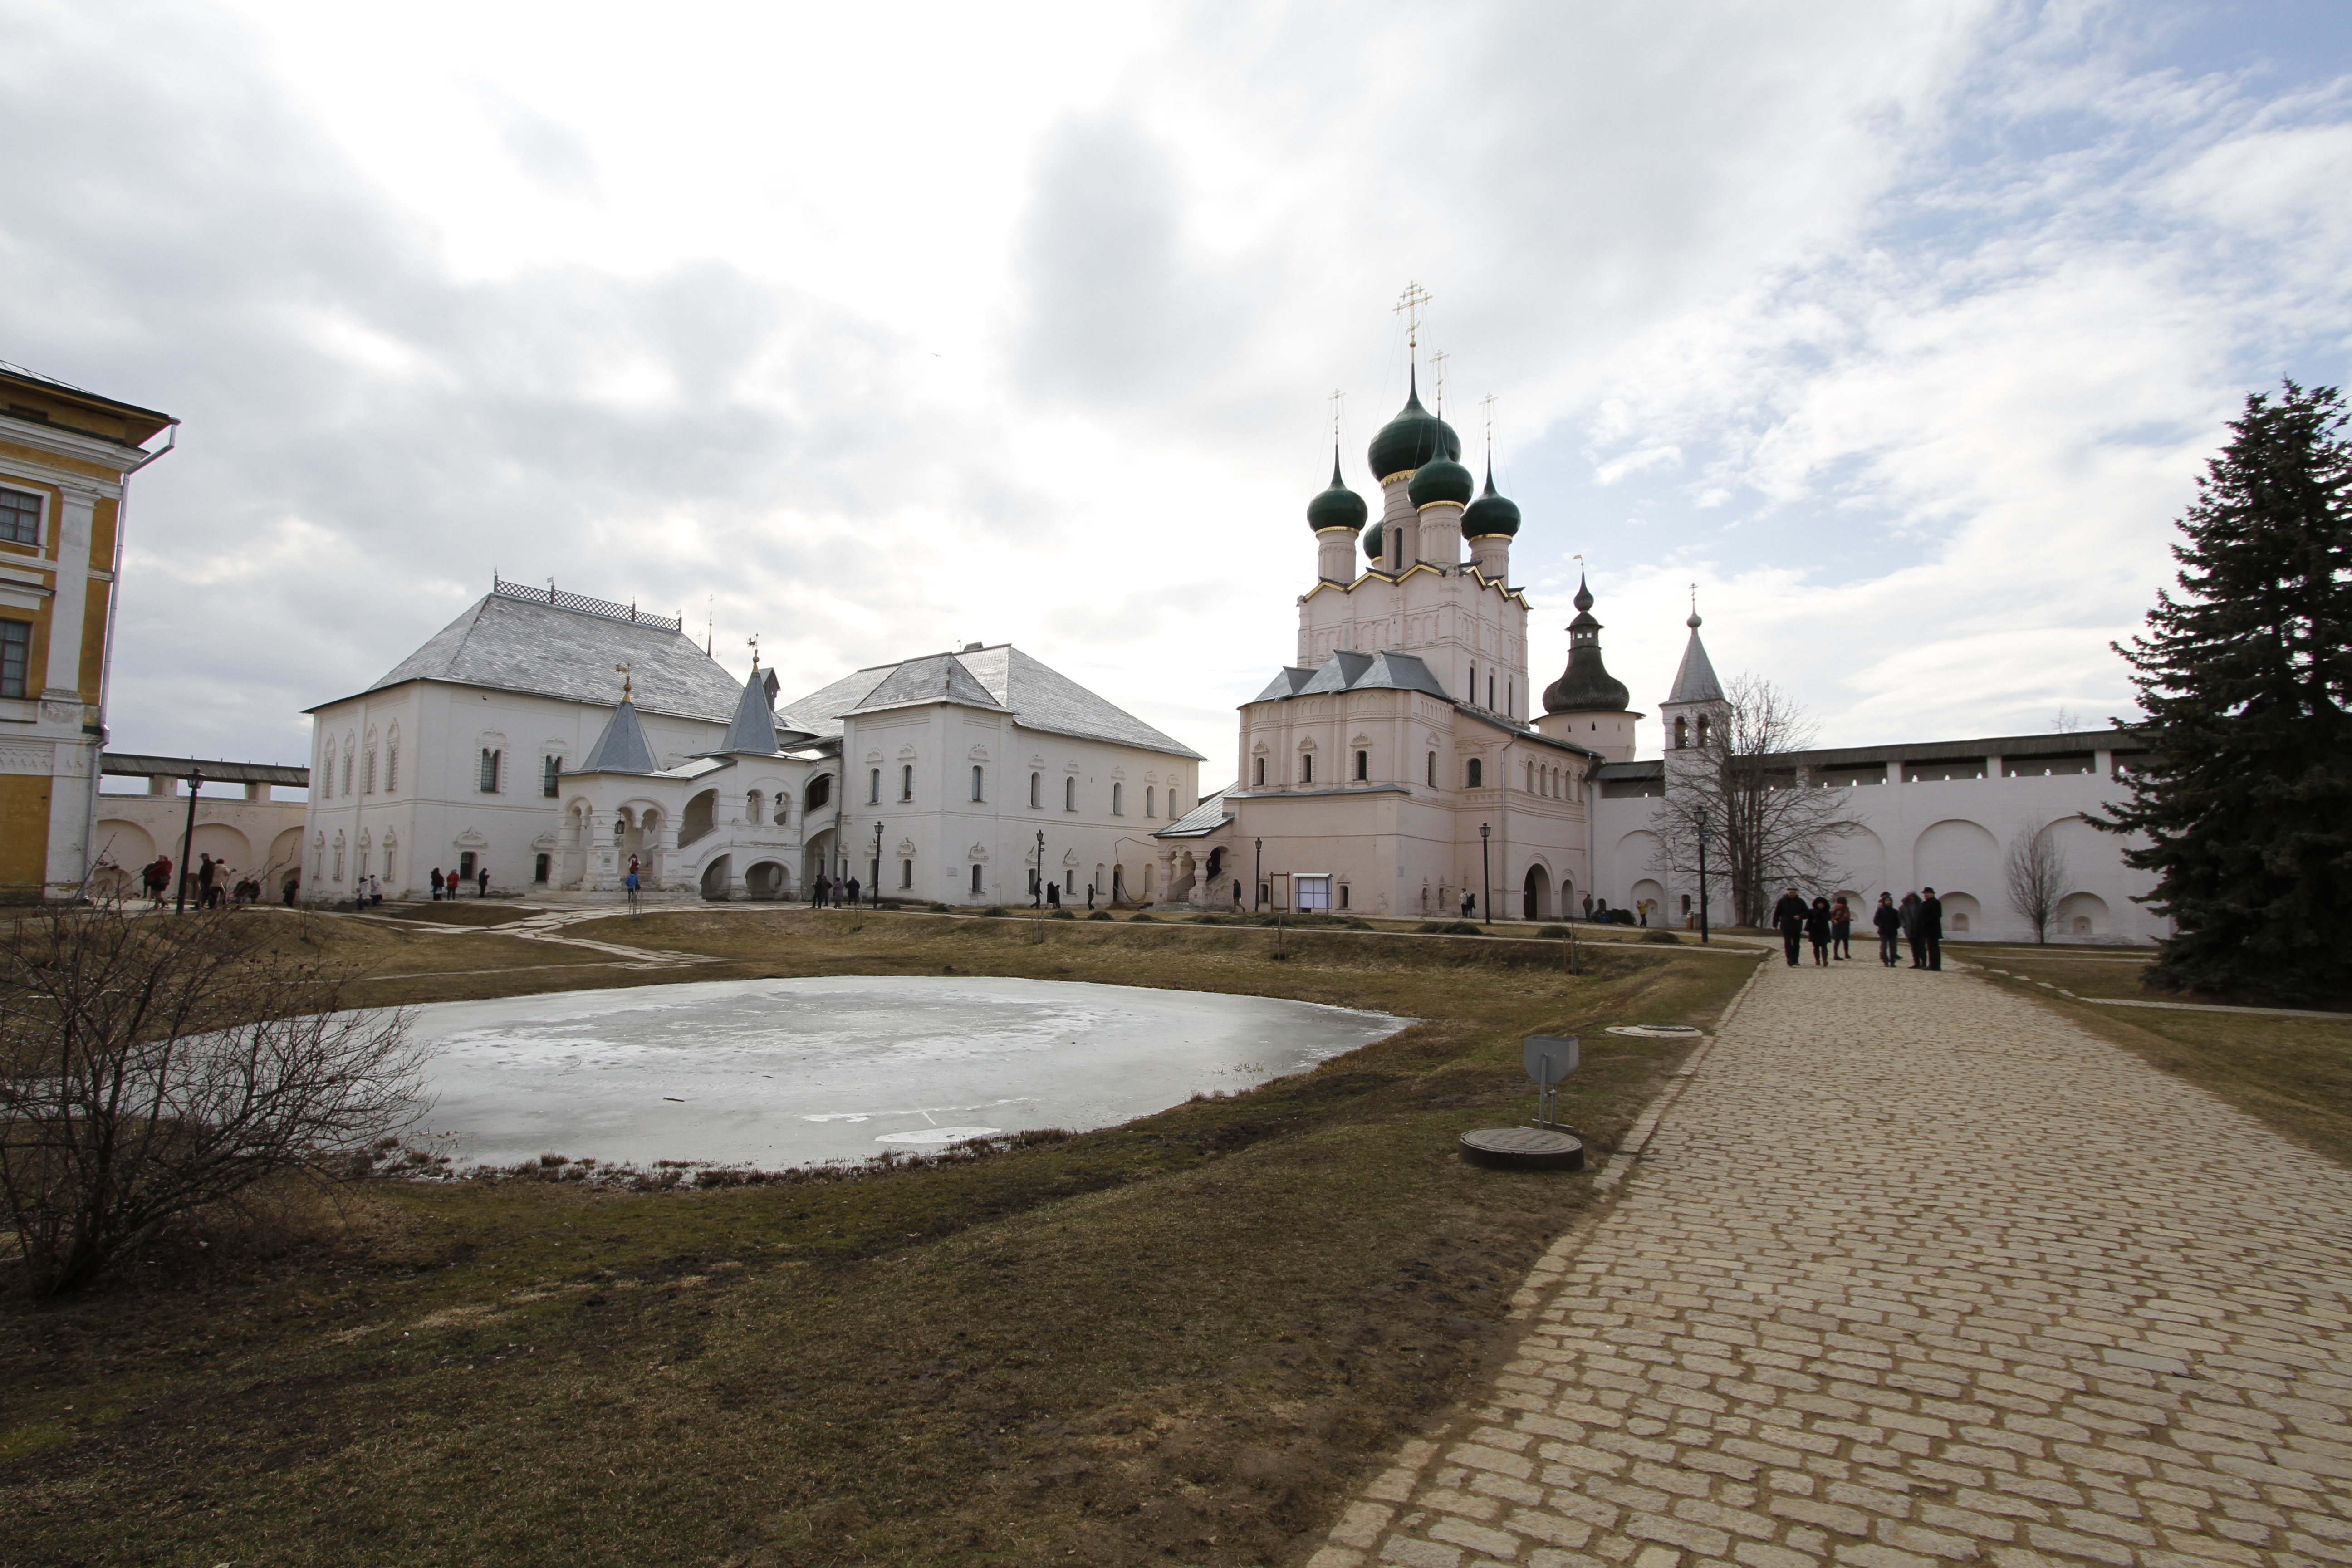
column 1702, row 875
column 874, row 888
column 1041, row 868
column 195, row 780
column 1257, row 888
column 1486, row 872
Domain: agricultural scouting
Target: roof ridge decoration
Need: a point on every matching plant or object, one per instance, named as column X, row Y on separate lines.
column 611, row 610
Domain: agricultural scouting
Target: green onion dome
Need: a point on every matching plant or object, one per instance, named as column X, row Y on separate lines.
column 1338, row 507
column 1490, row 513
column 1440, row 479
column 1411, row 438
column 1376, row 542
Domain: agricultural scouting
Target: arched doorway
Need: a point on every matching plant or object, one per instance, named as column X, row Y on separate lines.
column 715, row 877
column 767, row 879
column 1535, row 896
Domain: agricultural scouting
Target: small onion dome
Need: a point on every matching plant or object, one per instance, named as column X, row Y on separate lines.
column 1490, row 513
column 1440, row 479
column 1586, row 686
column 1376, row 542
column 1338, row 507
column 1412, row 439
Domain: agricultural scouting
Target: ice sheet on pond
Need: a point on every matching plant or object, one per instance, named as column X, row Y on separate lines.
column 786, row 1072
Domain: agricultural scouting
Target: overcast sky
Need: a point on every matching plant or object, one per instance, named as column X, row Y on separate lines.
column 1900, row 329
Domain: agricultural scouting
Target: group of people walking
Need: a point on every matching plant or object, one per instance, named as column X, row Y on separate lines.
column 213, row 886
column 1828, row 924
column 450, row 886
column 824, row 893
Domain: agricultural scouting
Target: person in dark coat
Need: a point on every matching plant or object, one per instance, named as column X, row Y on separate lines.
column 436, row 884
column 1889, row 921
column 820, row 890
column 1789, row 914
column 1841, row 928
column 206, row 875
column 1817, row 930
column 850, row 886
column 293, row 890
column 1909, row 911
column 1931, row 929
column 482, row 883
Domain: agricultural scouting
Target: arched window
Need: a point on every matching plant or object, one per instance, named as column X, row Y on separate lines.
column 367, row 773
column 978, row 778
column 1363, row 767
column 1150, row 801
column 1682, row 733
column 1259, row 777
column 392, row 761
column 784, row 807
column 874, row 786
column 907, row 781
column 751, row 806
column 1036, row 790
column 1118, row 800
column 1306, row 767
column 820, row 791
column 1475, row 776
column 1702, row 730
column 1070, row 792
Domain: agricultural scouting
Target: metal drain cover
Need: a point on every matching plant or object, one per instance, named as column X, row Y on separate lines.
column 1656, row 1031
column 1524, row 1149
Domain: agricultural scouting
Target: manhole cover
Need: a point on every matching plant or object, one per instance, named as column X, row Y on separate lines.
column 1655, row 1031
column 1523, row 1148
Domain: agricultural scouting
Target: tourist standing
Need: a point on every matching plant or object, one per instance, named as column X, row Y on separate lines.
column 1909, row 912
column 436, row 884
column 206, row 875
column 482, row 882
column 1889, row 921
column 1931, row 929
column 1789, row 914
column 1817, row 930
column 630, row 882
column 293, row 889
column 1841, row 928
column 1588, row 906
column 851, row 888
column 820, row 891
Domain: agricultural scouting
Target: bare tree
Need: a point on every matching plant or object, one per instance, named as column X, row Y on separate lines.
column 150, row 1067
column 2036, row 873
column 1766, row 825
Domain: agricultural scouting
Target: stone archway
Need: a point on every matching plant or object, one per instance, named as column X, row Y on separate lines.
column 715, row 877
column 1535, row 895
column 768, row 880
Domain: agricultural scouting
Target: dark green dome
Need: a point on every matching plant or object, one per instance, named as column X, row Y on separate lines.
column 1338, row 507
column 1411, row 438
column 1376, row 542
column 1490, row 513
column 1440, row 479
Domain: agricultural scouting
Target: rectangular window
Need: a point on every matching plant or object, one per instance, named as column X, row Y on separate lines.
column 551, row 778
column 1258, row 776
column 15, row 656
column 20, row 517
column 538, row 869
column 489, row 782
column 975, row 878
column 1150, row 801
column 1118, row 800
column 874, row 786
column 978, row 778
column 1036, row 789
column 907, row 782
column 1363, row 767
column 906, row 873
column 1343, row 894
column 1069, row 881
column 1314, row 893
column 1432, row 770
column 1306, row 768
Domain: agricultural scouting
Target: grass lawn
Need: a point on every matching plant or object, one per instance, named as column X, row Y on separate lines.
column 1176, row 1340
column 2295, row 1074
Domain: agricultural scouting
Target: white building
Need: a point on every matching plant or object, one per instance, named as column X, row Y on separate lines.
column 551, row 739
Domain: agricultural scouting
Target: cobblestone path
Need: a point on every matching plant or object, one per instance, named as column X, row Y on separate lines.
column 1915, row 1273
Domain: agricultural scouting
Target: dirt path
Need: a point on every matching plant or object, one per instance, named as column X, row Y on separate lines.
column 1915, row 1272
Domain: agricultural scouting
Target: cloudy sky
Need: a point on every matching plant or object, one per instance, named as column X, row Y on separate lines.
column 1901, row 329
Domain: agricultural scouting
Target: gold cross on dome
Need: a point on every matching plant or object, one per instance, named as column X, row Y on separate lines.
column 1408, row 305
column 1437, row 362
column 1336, row 395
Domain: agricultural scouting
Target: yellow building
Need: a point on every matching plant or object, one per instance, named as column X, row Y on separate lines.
column 66, row 457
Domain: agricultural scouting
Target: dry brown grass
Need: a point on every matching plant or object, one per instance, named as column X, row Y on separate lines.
column 1175, row 1340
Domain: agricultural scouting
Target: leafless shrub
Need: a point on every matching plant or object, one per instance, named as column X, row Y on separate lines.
column 152, row 1067
column 2036, row 874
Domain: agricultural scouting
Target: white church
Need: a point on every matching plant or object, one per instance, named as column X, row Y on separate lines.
column 1404, row 765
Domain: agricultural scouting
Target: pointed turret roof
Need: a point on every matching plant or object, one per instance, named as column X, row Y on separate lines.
column 622, row 748
column 1586, row 686
column 753, row 729
column 1695, row 682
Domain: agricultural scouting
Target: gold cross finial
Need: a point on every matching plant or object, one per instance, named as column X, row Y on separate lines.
column 754, row 640
column 1408, row 305
column 1437, row 363
column 1487, row 403
column 623, row 670
column 1336, row 395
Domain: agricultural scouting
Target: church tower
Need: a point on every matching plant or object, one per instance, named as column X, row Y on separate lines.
column 1587, row 705
column 1695, row 709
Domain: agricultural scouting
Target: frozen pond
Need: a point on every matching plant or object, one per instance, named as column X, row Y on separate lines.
column 788, row 1072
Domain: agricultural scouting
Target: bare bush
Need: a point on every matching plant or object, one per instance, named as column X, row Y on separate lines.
column 153, row 1067
column 2035, row 871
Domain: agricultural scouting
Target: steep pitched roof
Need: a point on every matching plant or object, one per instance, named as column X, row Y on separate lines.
column 517, row 645
column 622, row 748
column 1205, row 818
column 1695, row 682
column 1347, row 670
column 755, row 729
column 1002, row 678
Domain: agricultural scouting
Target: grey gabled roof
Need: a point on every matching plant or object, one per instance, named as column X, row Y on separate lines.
column 754, row 728
column 516, row 644
column 1695, row 682
column 1002, row 678
column 1347, row 670
column 1203, row 819
column 622, row 748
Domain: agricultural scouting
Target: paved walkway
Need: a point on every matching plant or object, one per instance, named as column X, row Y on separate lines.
column 1915, row 1273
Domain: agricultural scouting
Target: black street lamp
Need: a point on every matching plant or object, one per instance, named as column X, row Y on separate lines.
column 1257, row 896
column 1041, row 868
column 195, row 780
column 1702, row 875
column 1487, row 873
column 874, row 888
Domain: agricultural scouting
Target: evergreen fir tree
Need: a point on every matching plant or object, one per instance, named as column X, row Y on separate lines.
column 2246, row 802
